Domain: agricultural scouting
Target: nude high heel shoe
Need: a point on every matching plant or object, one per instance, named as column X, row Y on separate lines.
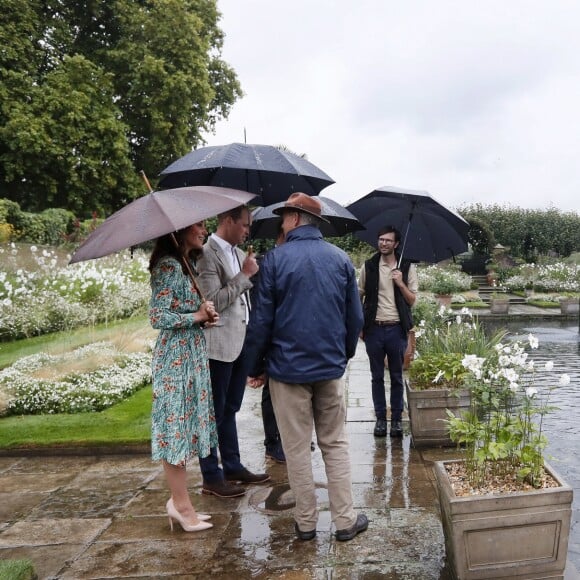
column 173, row 514
column 201, row 517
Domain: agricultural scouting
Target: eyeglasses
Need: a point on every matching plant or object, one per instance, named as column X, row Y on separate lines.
column 386, row 241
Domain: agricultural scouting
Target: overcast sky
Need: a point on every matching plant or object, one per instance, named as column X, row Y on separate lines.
column 472, row 101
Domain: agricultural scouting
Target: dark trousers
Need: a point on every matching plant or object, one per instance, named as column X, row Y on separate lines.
column 389, row 341
column 272, row 435
column 228, row 383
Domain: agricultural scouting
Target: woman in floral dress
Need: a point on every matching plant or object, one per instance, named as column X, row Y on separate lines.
column 183, row 419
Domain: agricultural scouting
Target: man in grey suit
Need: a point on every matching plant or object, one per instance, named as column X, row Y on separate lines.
column 224, row 278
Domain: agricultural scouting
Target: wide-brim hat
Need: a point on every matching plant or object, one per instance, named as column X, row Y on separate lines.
column 302, row 202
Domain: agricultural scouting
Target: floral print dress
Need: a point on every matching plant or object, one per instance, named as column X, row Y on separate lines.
column 183, row 418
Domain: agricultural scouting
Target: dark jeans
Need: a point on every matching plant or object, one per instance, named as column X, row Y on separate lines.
column 228, row 383
column 272, row 435
column 389, row 341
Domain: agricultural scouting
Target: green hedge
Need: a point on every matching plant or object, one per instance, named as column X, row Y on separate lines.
column 50, row 227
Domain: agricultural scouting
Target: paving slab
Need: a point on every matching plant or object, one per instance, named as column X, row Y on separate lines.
column 104, row 516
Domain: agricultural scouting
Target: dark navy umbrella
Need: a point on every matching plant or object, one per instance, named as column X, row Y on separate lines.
column 266, row 224
column 430, row 232
column 270, row 173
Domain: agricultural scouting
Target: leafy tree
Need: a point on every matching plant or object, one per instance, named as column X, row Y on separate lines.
column 94, row 91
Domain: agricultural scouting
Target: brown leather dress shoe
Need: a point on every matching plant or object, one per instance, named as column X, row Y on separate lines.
column 246, row 476
column 222, row 489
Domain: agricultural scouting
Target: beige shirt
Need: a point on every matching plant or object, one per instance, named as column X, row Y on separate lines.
column 387, row 308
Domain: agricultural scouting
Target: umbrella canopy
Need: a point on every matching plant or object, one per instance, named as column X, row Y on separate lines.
column 266, row 224
column 264, row 170
column 430, row 232
column 156, row 214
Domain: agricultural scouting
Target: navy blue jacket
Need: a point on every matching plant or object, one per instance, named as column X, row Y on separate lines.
column 307, row 315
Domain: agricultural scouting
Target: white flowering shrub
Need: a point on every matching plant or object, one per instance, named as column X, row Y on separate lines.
column 558, row 277
column 503, row 432
column 32, row 386
column 443, row 280
column 48, row 296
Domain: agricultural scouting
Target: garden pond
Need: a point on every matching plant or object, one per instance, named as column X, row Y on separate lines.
column 560, row 343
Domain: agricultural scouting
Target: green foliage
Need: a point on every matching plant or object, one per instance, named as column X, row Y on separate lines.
column 528, row 233
column 91, row 93
column 17, row 570
column 437, row 370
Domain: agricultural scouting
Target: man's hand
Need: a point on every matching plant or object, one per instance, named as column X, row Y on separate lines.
column 250, row 266
column 256, row 382
column 398, row 277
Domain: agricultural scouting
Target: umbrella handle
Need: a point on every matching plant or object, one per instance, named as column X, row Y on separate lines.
column 183, row 258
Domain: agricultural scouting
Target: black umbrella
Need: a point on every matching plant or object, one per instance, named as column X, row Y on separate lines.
column 266, row 224
column 430, row 232
column 270, row 173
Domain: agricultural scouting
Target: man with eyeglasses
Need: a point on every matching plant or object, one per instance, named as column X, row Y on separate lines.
column 388, row 291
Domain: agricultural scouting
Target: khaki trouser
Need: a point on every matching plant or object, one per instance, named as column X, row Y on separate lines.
column 299, row 408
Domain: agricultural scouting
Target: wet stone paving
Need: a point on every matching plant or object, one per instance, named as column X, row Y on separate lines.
column 104, row 516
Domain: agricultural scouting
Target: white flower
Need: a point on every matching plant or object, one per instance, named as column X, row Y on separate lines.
column 534, row 342
column 549, row 365
column 33, row 249
column 438, row 376
column 531, row 391
column 514, row 387
column 564, row 380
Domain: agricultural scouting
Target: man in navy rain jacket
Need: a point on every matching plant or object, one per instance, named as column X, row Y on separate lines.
column 306, row 323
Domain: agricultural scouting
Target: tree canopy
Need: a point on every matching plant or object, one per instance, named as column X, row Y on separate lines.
column 94, row 91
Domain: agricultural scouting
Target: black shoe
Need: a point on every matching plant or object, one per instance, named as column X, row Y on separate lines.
column 222, row 489
column 361, row 524
column 246, row 476
column 304, row 535
column 396, row 429
column 380, row 428
column 276, row 452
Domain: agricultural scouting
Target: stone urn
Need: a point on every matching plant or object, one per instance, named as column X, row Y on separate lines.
column 499, row 305
column 569, row 306
column 444, row 299
column 428, row 412
column 518, row 535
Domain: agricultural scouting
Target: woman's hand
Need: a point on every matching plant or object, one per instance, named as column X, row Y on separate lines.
column 209, row 313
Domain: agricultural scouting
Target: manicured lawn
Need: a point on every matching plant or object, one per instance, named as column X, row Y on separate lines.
column 127, row 423
column 69, row 340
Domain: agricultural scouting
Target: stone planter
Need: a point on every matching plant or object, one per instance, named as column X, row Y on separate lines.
column 569, row 305
column 521, row 535
column 499, row 305
column 428, row 411
column 443, row 299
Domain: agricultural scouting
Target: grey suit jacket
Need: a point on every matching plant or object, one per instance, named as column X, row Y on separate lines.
column 218, row 283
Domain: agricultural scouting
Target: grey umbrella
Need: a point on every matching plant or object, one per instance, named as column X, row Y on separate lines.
column 270, row 173
column 430, row 232
column 156, row 214
column 266, row 224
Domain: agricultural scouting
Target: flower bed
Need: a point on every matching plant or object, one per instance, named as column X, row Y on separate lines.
column 35, row 384
column 48, row 296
